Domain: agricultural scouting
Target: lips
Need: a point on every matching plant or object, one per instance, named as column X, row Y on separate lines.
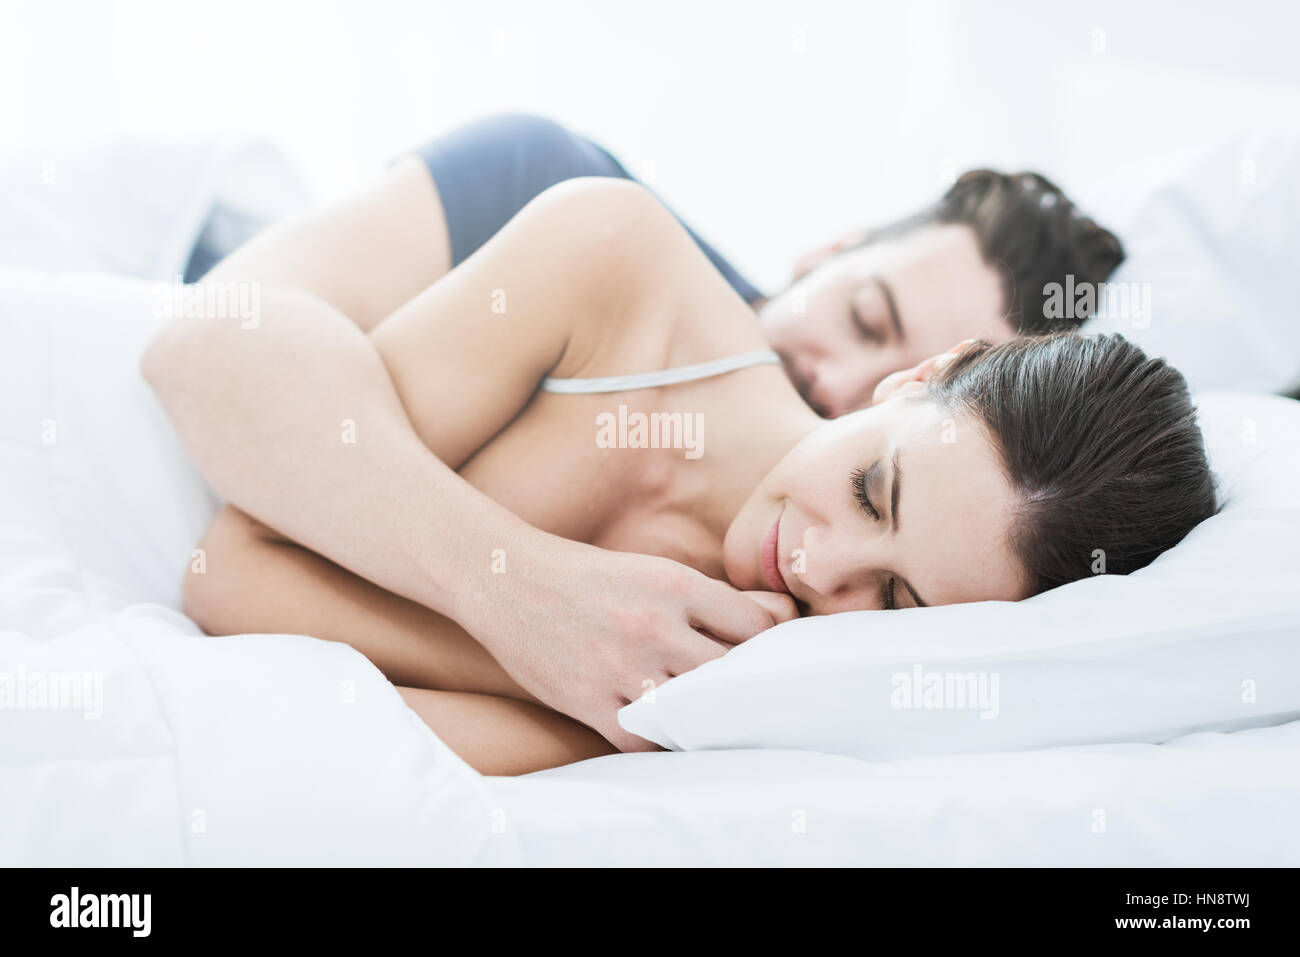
column 771, row 563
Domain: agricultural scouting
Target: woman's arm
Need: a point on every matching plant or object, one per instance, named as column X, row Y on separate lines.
column 253, row 580
column 297, row 422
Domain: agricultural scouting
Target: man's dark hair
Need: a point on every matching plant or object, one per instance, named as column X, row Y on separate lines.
column 1031, row 231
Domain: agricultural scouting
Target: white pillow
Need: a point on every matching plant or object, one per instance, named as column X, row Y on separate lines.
column 1211, row 238
column 97, row 497
column 1206, row 637
column 133, row 207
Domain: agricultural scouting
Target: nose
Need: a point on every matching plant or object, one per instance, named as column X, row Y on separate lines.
column 851, row 400
column 836, row 390
column 806, row 378
column 833, row 402
column 836, row 568
column 820, row 402
column 799, row 369
column 829, row 387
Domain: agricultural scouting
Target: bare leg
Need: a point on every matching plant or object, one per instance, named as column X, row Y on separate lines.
column 504, row 736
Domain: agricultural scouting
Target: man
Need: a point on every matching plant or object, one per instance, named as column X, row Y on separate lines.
column 971, row 265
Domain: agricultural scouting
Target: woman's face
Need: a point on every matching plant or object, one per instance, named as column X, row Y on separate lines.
column 897, row 505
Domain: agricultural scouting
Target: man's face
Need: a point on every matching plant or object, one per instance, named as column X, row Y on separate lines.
column 883, row 307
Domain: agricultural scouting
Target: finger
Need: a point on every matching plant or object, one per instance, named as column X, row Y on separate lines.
column 724, row 645
column 691, row 651
column 625, row 741
column 726, row 613
column 780, row 607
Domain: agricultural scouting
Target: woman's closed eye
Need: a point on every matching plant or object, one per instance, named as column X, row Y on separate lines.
column 863, row 479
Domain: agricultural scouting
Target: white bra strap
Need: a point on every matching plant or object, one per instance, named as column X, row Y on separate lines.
column 648, row 380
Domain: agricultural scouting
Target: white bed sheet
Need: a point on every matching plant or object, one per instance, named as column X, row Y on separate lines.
column 1204, row 800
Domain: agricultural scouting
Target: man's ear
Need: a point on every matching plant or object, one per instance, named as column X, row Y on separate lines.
column 810, row 261
column 906, row 381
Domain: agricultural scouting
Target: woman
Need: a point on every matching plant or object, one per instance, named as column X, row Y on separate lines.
column 984, row 473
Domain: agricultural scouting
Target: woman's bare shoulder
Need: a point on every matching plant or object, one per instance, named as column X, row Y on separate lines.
column 666, row 303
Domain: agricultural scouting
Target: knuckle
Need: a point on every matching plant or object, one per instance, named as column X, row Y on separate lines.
column 639, row 619
column 678, row 580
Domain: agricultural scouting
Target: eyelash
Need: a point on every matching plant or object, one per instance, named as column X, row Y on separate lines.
column 861, row 326
column 860, row 493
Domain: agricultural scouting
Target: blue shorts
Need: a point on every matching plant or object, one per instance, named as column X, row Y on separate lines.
column 488, row 170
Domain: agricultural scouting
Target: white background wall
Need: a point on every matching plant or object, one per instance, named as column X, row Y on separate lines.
column 769, row 125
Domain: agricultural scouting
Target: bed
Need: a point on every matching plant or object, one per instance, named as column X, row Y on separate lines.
column 129, row 738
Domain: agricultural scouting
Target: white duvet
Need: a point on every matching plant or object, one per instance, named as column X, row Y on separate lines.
column 126, row 737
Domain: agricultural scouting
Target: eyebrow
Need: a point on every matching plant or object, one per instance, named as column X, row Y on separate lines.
column 888, row 293
column 893, row 493
column 893, row 518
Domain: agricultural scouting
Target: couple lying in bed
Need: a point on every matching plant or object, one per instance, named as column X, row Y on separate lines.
column 409, row 442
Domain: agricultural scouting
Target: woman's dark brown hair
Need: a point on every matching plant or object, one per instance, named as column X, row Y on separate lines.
column 1101, row 446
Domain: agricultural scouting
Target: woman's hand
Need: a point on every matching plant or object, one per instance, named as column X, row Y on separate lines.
column 781, row 607
column 587, row 630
